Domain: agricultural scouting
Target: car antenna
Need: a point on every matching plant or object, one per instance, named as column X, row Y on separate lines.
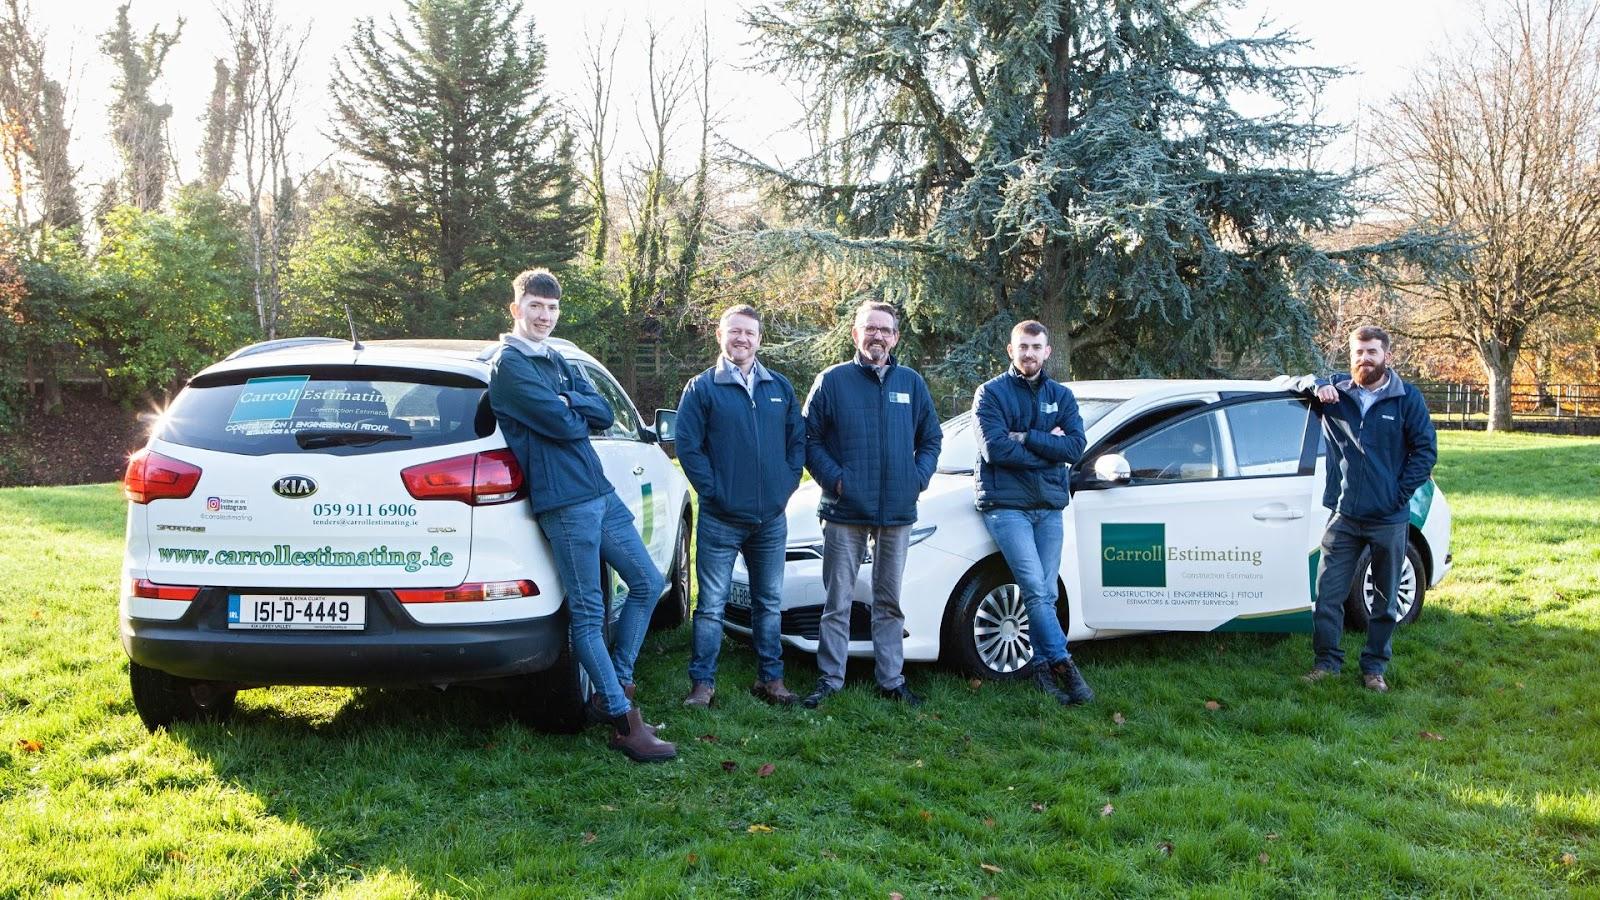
column 355, row 342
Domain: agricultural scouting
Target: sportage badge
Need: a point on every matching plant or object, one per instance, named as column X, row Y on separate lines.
column 294, row 486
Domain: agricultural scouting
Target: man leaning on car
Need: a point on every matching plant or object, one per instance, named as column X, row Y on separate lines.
column 872, row 442
column 742, row 444
column 547, row 409
column 1029, row 432
column 1381, row 448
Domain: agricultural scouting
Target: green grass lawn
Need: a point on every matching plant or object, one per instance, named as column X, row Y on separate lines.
column 1478, row 775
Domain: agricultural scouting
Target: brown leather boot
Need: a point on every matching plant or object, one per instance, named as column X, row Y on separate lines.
column 596, row 714
column 774, row 692
column 630, row 735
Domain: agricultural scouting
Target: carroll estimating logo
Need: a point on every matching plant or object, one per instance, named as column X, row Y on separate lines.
column 1133, row 555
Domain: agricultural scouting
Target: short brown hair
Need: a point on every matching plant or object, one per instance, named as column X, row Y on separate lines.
column 739, row 309
column 872, row 306
column 1031, row 328
column 538, row 282
column 1371, row 333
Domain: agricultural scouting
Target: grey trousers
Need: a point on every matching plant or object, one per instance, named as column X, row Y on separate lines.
column 842, row 549
column 1341, row 550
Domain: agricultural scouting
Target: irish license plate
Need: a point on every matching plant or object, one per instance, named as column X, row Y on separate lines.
column 739, row 595
column 310, row 612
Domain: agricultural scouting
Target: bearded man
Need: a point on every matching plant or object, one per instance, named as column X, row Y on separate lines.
column 1381, row 448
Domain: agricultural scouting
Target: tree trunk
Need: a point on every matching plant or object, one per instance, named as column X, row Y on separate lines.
column 1498, row 369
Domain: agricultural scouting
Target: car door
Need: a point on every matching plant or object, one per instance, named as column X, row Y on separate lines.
column 635, row 467
column 1208, row 528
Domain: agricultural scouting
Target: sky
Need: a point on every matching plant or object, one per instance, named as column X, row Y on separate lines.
column 1381, row 41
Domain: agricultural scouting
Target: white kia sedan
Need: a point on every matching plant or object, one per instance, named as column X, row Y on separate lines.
column 1197, row 507
column 312, row 511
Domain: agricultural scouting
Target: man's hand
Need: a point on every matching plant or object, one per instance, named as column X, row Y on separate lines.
column 564, row 401
column 1058, row 432
column 838, row 488
column 1328, row 394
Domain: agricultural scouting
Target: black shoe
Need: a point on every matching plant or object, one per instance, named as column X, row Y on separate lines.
column 823, row 691
column 1078, row 690
column 901, row 694
column 1045, row 680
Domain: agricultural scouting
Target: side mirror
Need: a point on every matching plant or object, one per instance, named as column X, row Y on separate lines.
column 1112, row 468
column 666, row 426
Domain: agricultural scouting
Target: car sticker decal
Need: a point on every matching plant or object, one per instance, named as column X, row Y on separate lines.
column 1421, row 502
column 649, row 526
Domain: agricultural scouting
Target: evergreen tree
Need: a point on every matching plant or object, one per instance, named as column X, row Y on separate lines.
column 1078, row 161
column 473, row 171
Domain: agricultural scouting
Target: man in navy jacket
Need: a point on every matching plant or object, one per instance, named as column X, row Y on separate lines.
column 1381, row 448
column 546, row 410
column 872, row 443
column 742, row 444
column 1029, row 432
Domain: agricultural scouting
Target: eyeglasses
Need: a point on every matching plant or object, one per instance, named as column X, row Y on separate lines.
column 877, row 329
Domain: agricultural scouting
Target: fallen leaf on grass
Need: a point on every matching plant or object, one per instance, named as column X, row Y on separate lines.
column 1430, row 736
column 1107, row 810
column 1038, row 807
column 1165, row 847
column 589, row 837
column 608, row 807
column 729, row 765
column 916, row 764
column 926, row 815
column 1119, row 718
column 829, row 854
column 177, row 855
column 1213, row 705
column 1272, row 835
column 29, row 745
column 990, row 868
column 975, row 683
column 1520, row 685
column 896, row 895
column 758, row 828
column 765, row 770
column 988, row 823
column 708, row 738
column 1569, row 859
column 692, row 858
column 38, row 614
column 1263, row 858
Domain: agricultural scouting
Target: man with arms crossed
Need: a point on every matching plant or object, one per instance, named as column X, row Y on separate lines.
column 1029, row 432
column 872, row 442
column 547, row 409
column 742, row 444
column 1381, row 448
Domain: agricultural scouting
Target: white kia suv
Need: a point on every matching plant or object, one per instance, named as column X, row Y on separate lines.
column 317, row 511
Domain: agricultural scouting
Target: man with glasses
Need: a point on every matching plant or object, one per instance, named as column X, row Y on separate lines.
column 872, row 442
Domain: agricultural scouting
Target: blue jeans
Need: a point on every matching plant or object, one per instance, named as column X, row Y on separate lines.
column 1336, row 570
column 1030, row 540
column 763, row 548
column 581, row 536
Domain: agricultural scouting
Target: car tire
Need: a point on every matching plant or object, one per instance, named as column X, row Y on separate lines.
column 554, row 701
column 163, row 699
column 1413, row 582
column 988, row 598
column 673, row 610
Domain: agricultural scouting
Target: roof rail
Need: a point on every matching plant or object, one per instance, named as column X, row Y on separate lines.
column 282, row 344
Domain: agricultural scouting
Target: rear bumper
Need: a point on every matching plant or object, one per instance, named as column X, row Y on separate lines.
column 391, row 651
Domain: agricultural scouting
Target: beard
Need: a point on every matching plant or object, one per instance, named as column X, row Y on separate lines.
column 877, row 351
column 1369, row 374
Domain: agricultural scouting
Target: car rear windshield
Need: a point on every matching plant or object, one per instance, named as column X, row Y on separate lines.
column 340, row 410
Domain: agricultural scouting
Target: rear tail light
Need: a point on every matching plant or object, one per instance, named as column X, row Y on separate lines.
column 469, row 592
column 477, row 479
column 151, row 476
column 144, row 587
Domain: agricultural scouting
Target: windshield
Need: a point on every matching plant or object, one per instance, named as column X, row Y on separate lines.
column 960, row 451
column 339, row 410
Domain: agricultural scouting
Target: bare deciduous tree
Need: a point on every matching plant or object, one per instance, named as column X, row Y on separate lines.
column 596, row 132
column 1500, row 139
column 139, row 124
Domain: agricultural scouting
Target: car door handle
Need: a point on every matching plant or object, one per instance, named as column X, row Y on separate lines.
column 638, row 470
column 1278, row 512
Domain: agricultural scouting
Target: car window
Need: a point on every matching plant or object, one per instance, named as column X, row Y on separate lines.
column 1268, row 436
column 959, row 452
column 340, row 410
column 626, row 426
column 1188, row 450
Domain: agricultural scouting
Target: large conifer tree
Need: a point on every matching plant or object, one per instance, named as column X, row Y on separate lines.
column 472, row 170
column 1085, row 162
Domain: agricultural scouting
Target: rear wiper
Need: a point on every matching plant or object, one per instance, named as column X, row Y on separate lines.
column 312, row 439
